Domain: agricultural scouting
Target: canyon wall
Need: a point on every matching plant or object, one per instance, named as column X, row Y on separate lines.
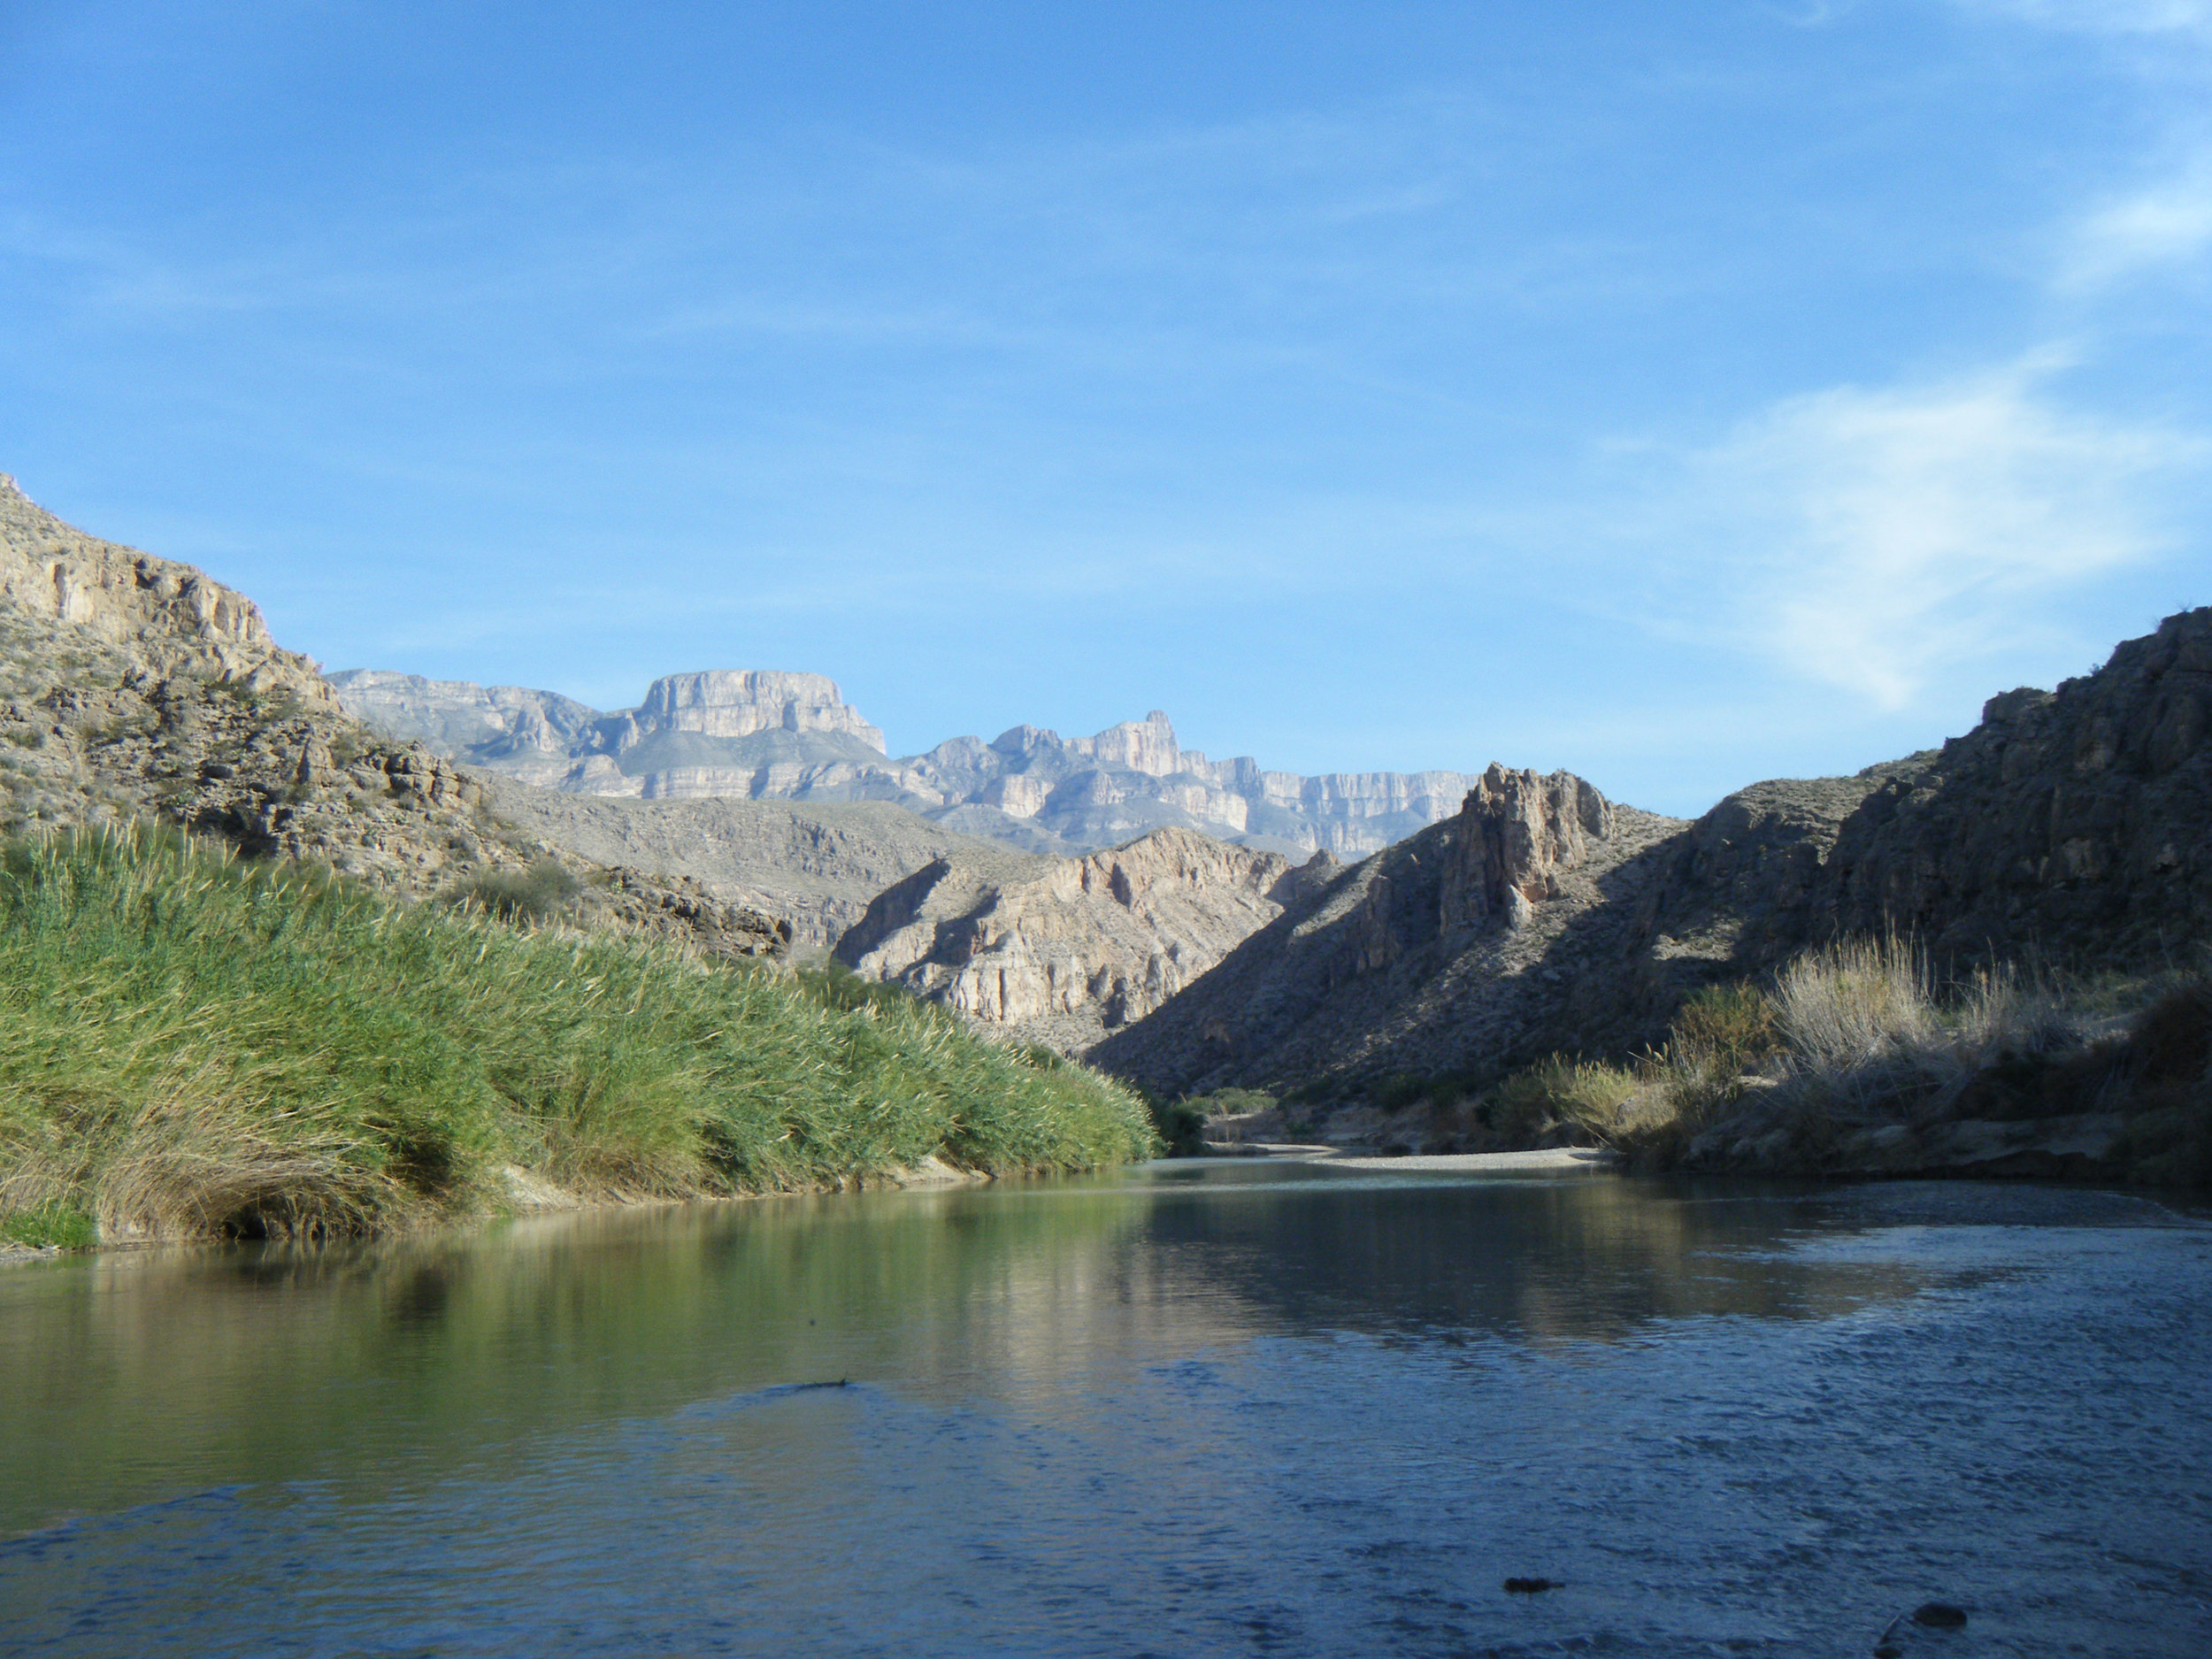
column 1073, row 947
column 2072, row 826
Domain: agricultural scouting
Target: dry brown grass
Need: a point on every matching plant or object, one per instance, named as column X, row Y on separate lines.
column 1862, row 1036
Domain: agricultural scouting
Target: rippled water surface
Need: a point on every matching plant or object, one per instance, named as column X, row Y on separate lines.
column 1191, row 1409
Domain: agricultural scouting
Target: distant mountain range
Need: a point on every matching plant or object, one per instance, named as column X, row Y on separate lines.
column 770, row 735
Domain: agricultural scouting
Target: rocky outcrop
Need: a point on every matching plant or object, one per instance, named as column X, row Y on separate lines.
column 2072, row 822
column 1440, row 954
column 1077, row 947
column 725, row 704
column 2075, row 825
column 1521, row 833
column 791, row 737
column 683, row 908
column 132, row 687
column 163, row 617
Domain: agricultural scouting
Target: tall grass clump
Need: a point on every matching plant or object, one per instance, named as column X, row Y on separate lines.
column 1861, row 1038
column 193, row 1045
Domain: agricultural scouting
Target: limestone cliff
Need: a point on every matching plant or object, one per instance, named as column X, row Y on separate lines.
column 523, row 734
column 133, row 687
column 1073, row 947
column 2075, row 825
column 791, row 737
column 162, row 616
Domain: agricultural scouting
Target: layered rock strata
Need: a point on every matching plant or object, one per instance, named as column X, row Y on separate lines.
column 1073, row 947
column 791, row 737
column 133, row 687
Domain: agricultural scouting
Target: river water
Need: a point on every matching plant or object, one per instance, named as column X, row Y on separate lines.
column 1205, row 1407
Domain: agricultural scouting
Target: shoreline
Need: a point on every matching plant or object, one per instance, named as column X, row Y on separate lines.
column 1353, row 1158
column 530, row 1195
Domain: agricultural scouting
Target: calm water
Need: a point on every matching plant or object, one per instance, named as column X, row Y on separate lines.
column 1194, row 1409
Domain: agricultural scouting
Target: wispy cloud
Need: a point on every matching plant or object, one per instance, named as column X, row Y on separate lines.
column 2105, row 17
column 1871, row 540
column 2166, row 224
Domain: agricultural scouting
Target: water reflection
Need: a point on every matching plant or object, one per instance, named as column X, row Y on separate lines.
column 1199, row 1407
column 136, row 1376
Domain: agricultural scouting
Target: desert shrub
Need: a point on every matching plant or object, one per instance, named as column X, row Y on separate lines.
column 1233, row 1103
column 1862, row 1036
column 1183, row 1124
column 1856, row 1000
column 545, row 888
column 1401, row 1089
column 1725, row 1028
column 2171, row 1041
column 2168, row 1059
column 1583, row 1097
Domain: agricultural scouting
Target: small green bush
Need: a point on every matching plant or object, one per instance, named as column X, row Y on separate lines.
column 1180, row 1124
column 49, row 1227
column 1233, row 1103
column 1401, row 1089
column 1726, row 1028
column 545, row 889
column 1581, row 1096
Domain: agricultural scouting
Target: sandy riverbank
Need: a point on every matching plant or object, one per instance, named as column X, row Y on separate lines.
column 1469, row 1162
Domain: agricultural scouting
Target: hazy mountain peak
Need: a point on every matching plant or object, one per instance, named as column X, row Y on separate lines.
column 779, row 734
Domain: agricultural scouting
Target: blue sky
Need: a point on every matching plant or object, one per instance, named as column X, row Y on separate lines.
column 1681, row 394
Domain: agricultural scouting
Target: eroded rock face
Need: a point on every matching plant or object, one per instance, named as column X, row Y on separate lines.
column 1520, row 834
column 815, row 866
column 164, row 618
column 132, row 688
column 1076, row 947
column 524, row 734
column 1426, row 957
column 2076, row 822
column 731, row 704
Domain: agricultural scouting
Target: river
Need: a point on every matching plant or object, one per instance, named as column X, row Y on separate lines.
column 1201, row 1408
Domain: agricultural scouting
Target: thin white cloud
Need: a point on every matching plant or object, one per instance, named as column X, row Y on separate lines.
column 2168, row 224
column 1873, row 540
column 2105, row 17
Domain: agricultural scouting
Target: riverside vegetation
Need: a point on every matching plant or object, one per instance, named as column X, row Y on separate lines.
column 1853, row 1059
column 199, row 1045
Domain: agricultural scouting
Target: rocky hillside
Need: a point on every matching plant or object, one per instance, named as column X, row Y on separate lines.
column 2075, row 825
column 813, row 867
column 132, row 687
column 791, row 737
column 1068, row 949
